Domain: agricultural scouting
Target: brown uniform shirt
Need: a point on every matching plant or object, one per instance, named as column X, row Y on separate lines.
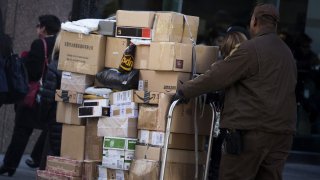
column 259, row 79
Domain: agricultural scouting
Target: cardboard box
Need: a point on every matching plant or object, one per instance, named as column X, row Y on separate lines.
column 93, row 111
column 154, row 118
column 68, row 96
column 82, row 53
column 122, row 97
column 118, row 143
column 205, row 57
column 173, row 155
column 90, row 170
column 93, row 144
column 168, row 27
column 135, row 18
column 161, row 81
column 176, row 141
column 64, row 166
column 68, row 114
column 107, row 27
column 76, row 82
column 96, row 102
column 142, row 169
column 133, row 32
column 193, row 22
column 141, row 58
column 117, row 127
column 115, row 174
column 169, row 56
column 47, row 175
column 73, row 136
column 129, row 109
column 117, row 159
column 114, row 51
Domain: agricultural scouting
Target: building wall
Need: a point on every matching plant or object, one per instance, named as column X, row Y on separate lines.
column 20, row 18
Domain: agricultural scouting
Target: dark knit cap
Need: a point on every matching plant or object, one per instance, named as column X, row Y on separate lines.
column 267, row 10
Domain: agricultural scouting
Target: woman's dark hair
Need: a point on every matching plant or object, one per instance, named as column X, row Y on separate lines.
column 5, row 45
column 51, row 23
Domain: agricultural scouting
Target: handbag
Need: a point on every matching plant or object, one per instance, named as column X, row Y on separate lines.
column 34, row 86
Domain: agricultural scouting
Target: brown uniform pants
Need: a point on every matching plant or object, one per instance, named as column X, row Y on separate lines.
column 263, row 157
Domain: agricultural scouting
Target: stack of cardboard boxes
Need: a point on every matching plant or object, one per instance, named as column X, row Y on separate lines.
column 112, row 136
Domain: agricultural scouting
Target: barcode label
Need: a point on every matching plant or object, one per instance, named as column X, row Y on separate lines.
column 157, row 138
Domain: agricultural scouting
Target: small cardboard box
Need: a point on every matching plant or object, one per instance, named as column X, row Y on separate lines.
column 190, row 26
column 47, row 175
column 118, row 143
column 90, row 170
column 82, row 53
column 153, row 138
column 107, row 27
column 168, row 27
column 68, row 96
column 161, row 81
column 117, row 127
column 68, row 114
column 76, row 82
column 141, row 58
column 122, row 97
column 64, row 166
column 205, row 57
column 135, row 18
column 113, row 173
column 73, row 136
column 142, row 169
column 170, row 56
column 114, row 51
column 93, row 144
column 129, row 109
column 133, row 32
column 117, row 159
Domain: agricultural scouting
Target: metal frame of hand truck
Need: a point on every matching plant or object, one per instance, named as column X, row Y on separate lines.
column 166, row 140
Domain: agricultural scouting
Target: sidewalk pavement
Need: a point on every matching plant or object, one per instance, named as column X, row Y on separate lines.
column 292, row 171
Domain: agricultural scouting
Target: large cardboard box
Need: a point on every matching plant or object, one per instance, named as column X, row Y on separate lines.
column 64, row 166
column 113, row 174
column 205, row 56
column 117, row 127
column 135, row 18
column 68, row 96
column 76, row 82
column 168, row 27
column 93, row 144
column 176, row 141
column 47, row 175
column 161, row 81
column 173, row 155
column 90, row 170
column 122, row 97
column 82, row 53
column 114, row 51
column 141, row 58
column 142, row 169
column 191, row 25
column 154, row 118
column 73, row 142
column 170, row 56
column 129, row 109
column 68, row 114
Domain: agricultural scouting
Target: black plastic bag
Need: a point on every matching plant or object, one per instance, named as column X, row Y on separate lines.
column 113, row 79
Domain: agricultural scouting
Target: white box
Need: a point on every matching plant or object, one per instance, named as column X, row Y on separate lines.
column 153, row 138
column 96, row 102
column 93, row 111
column 124, row 110
column 117, row 159
column 121, row 97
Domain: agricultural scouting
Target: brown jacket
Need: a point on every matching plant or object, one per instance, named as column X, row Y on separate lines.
column 259, row 79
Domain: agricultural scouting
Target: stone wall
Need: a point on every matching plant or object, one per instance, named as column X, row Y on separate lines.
column 20, row 18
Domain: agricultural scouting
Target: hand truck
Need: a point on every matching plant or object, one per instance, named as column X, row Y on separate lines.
column 213, row 132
